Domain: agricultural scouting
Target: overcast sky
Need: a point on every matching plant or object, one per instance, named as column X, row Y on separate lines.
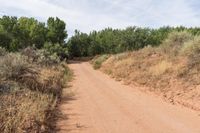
column 87, row 15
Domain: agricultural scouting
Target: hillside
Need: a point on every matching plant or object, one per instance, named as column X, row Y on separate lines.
column 170, row 70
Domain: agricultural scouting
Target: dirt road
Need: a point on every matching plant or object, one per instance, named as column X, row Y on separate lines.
column 103, row 105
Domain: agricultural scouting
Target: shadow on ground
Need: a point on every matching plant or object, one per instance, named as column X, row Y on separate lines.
column 63, row 112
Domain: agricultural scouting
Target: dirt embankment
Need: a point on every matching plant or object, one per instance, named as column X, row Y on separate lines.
column 154, row 73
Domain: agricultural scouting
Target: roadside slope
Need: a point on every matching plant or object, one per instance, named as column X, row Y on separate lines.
column 103, row 105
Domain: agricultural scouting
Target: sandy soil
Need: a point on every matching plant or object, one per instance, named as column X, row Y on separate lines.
column 103, row 105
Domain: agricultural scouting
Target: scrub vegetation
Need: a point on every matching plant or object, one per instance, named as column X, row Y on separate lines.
column 32, row 73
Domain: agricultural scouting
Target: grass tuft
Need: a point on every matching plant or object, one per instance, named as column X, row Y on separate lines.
column 99, row 60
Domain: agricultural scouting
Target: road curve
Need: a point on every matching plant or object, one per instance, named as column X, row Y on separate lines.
column 103, row 105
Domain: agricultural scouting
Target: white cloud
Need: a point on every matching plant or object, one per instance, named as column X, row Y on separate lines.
column 87, row 15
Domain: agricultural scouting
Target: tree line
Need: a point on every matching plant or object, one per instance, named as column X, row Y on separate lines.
column 111, row 41
column 18, row 33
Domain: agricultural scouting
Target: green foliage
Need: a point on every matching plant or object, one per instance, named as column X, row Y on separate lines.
column 111, row 41
column 53, row 48
column 16, row 34
column 78, row 45
column 57, row 49
column 114, row 40
column 56, row 30
column 20, row 33
column 8, row 31
column 33, row 32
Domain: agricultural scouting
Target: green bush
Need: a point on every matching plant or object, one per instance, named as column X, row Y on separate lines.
column 99, row 60
column 57, row 49
column 18, row 33
column 47, row 59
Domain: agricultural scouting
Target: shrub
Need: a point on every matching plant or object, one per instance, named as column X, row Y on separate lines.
column 99, row 60
column 47, row 59
column 175, row 41
column 57, row 49
column 191, row 47
column 41, row 57
column 2, row 51
column 192, row 50
column 13, row 66
column 28, row 93
column 31, row 53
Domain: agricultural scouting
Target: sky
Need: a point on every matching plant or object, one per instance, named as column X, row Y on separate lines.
column 88, row 15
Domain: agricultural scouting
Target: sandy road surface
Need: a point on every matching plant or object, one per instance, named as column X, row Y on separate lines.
column 103, row 105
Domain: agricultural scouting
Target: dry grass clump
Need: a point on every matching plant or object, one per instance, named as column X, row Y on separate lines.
column 24, row 111
column 28, row 93
column 160, row 68
column 122, row 56
column 191, row 47
column 133, row 67
column 175, row 41
column 192, row 50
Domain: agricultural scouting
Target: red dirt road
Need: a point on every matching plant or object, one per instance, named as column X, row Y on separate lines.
column 103, row 105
